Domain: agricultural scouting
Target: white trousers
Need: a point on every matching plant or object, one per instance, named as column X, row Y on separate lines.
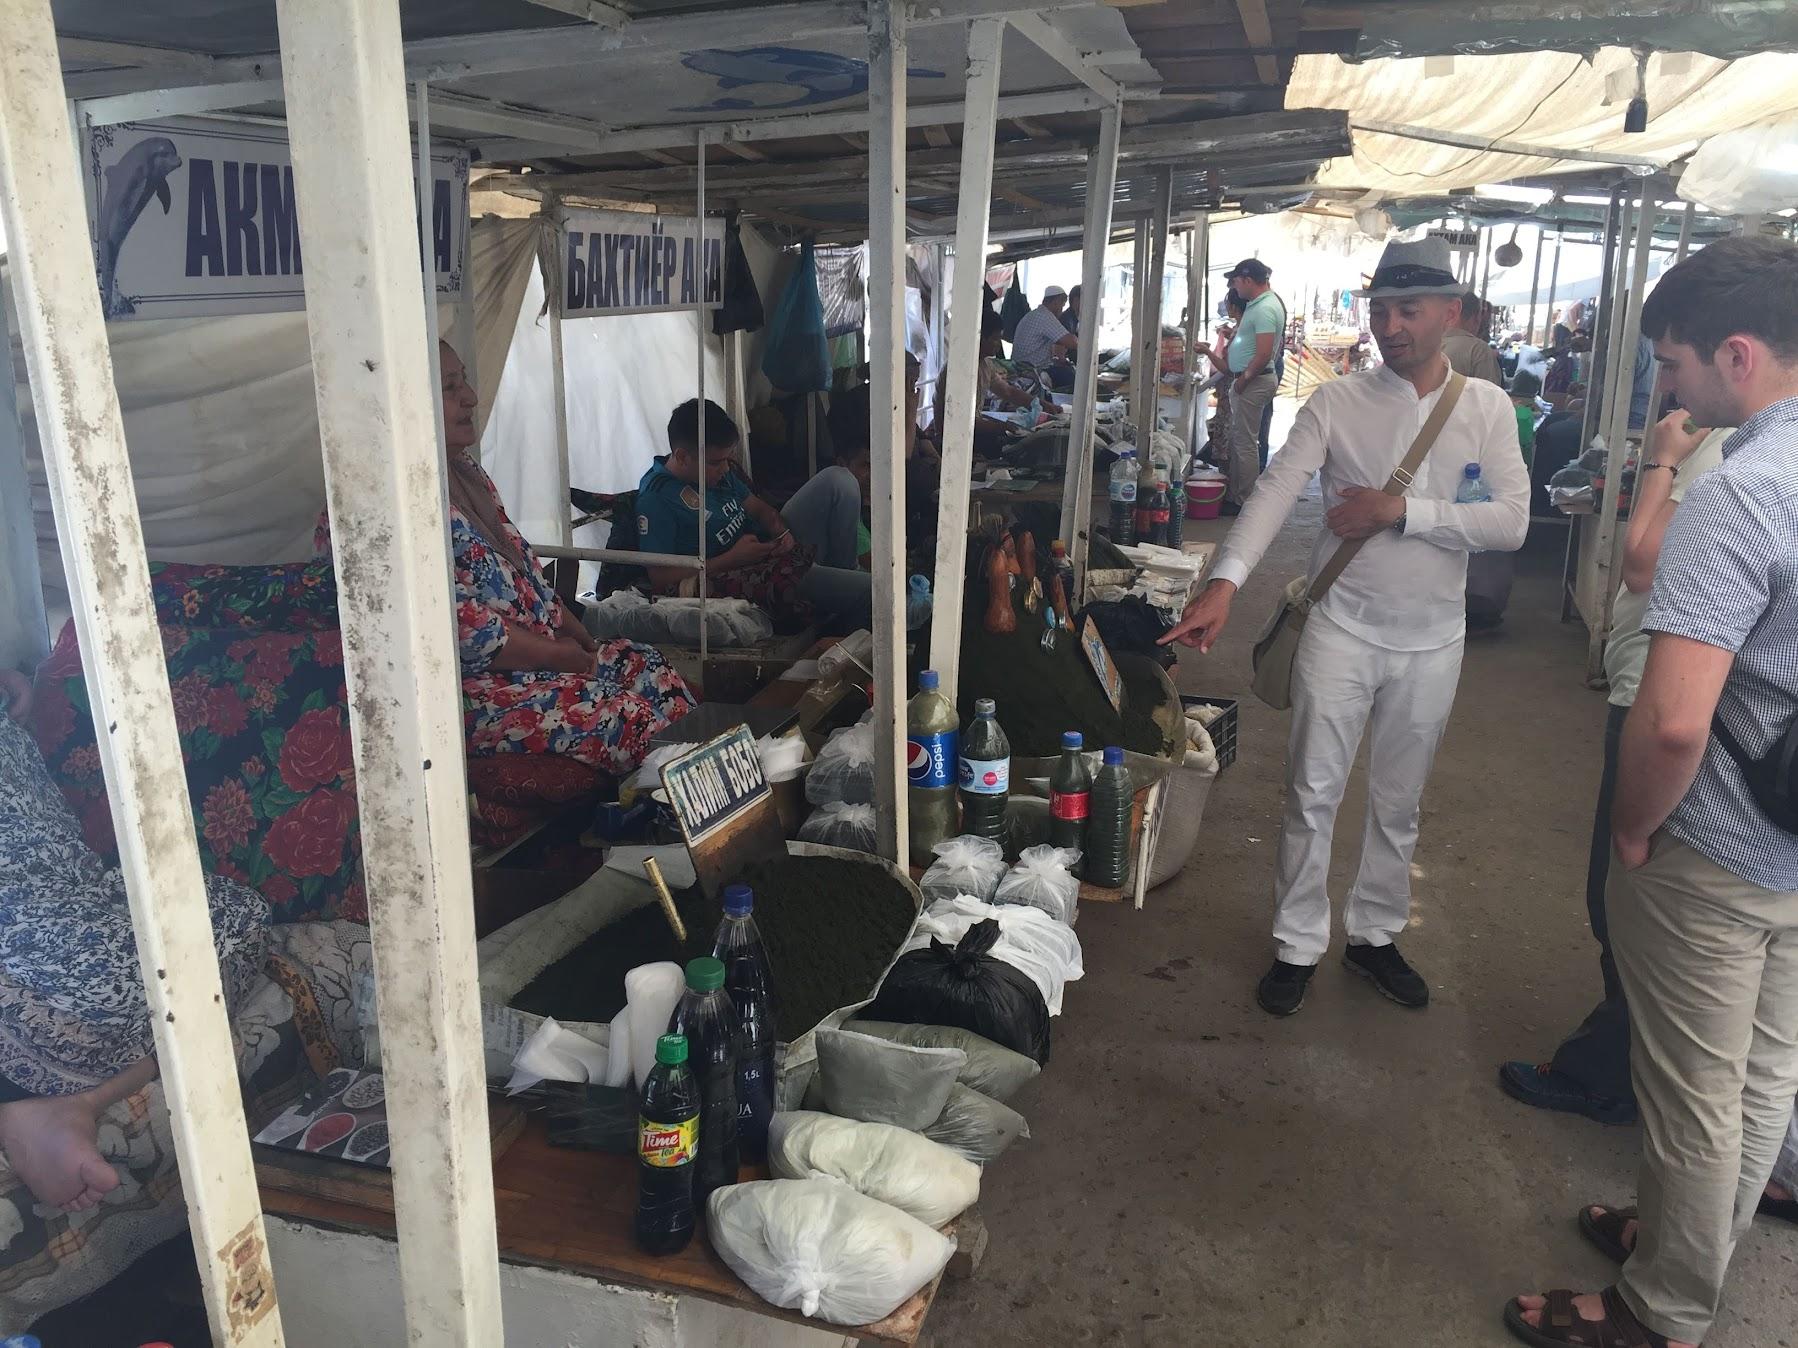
column 1339, row 682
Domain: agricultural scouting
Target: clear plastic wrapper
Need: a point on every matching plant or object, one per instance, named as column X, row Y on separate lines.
column 844, row 770
column 851, row 827
column 964, row 865
column 1043, row 878
column 925, row 1179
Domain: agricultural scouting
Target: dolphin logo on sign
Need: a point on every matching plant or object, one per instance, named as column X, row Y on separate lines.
column 811, row 76
column 141, row 173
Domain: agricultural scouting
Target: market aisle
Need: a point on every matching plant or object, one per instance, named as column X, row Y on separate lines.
column 1201, row 1174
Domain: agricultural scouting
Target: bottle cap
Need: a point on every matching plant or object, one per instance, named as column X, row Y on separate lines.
column 705, row 974
column 927, row 681
column 1114, row 756
column 1072, row 739
column 1057, row 548
column 1471, row 470
column 984, row 706
column 671, row 1049
column 739, row 900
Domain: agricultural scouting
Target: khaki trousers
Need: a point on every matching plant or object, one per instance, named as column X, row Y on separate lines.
column 1246, row 405
column 1709, row 963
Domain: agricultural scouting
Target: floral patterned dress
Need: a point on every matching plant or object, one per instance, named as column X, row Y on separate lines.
column 72, row 1008
column 606, row 720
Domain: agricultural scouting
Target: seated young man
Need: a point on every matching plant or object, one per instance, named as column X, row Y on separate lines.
column 752, row 551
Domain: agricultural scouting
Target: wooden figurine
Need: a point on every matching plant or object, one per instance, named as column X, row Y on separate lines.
column 1033, row 588
column 1000, row 617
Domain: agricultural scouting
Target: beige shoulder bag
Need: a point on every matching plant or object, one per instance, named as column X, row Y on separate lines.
column 1278, row 643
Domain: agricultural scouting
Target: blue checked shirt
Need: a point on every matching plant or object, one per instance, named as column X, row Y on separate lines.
column 1728, row 576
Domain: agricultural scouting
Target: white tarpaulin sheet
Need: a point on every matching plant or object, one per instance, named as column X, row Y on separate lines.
column 222, row 425
column 1555, row 99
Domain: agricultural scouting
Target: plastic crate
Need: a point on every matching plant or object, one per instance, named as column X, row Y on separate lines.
column 1223, row 729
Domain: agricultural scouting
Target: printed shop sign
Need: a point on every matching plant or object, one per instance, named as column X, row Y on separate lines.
column 194, row 219
column 630, row 262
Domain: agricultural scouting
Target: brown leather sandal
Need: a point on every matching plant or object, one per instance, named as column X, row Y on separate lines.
column 1564, row 1327
column 1606, row 1230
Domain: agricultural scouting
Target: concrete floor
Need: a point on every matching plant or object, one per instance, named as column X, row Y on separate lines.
column 1201, row 1174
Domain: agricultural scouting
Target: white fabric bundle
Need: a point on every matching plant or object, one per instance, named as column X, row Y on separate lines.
column 892, row 1165
column 818, row 1247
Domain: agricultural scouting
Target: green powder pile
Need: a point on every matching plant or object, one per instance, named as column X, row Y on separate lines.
column 1040, row 694
column 830, row 926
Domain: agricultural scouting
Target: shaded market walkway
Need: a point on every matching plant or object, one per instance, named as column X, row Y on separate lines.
column 1201, row 1174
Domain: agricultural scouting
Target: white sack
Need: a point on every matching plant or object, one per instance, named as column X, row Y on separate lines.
column 894, row 1166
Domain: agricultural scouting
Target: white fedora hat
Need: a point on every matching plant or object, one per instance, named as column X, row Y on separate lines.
column 1421, row 268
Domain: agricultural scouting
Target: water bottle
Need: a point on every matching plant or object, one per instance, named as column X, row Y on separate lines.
column 1107, row 851
column 918, row 603
column 1070, row 794
column 1123, row 498
column 1473, row 487
column 747, row 982
column 1176, row 513
column 667, row 1151
column 930, row 767
column 708, row 1022
column 984, row 775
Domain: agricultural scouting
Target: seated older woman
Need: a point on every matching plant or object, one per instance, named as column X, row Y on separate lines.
column 75, row 1032
column 533, row 680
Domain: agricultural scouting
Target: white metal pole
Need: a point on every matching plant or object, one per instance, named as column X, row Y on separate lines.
column 961, row 394
column 1685, row 231
column 102, row 542
column 1149, row 344
column 427, row 250
column 558, row 372
column 345, row 93
column 1077, row 491
column 1554, row 282
column 1139, row 324
column 886, row 366
column 1630, row 312
column 1529, row 335
column 1196, row 261
column 18, row 527
column 700, row 314
column 739, row 396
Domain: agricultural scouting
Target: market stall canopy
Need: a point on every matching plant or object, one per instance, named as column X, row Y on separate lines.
column 1548, row 100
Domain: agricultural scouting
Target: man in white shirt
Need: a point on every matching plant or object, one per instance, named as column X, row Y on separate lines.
column 1041, row 334
column 1384, row 643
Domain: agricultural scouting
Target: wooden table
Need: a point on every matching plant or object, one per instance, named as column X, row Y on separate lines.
column 571, row 1211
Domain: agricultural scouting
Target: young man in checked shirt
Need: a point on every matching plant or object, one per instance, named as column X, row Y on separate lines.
column 1703, row 892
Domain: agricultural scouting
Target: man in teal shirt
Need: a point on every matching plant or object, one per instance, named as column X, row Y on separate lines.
column 1251, row 356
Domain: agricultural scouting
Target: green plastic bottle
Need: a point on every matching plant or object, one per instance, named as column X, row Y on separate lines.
column 1070, row 794
column 1107, row 860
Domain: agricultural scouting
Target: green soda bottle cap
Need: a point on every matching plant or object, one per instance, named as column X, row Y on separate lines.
column 671, row 1049
column 705, row 974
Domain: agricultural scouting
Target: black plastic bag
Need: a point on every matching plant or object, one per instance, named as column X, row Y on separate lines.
column 741, row 310
column 965, row 987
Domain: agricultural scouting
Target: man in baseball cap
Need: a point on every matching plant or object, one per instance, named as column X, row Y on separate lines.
column 1252, row 354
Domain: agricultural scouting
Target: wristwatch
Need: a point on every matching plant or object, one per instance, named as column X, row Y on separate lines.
column 1670, row 467
column 1398, row 525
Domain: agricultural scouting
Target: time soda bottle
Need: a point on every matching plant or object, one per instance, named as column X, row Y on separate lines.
column 1070, row 794
column 930, row 766
column 739, row 948
column 984, row 775
column 667, row 1150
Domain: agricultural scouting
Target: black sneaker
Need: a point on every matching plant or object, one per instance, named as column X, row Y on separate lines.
column 1282, row 988
column 1538, row 1084
column 1389, row 972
